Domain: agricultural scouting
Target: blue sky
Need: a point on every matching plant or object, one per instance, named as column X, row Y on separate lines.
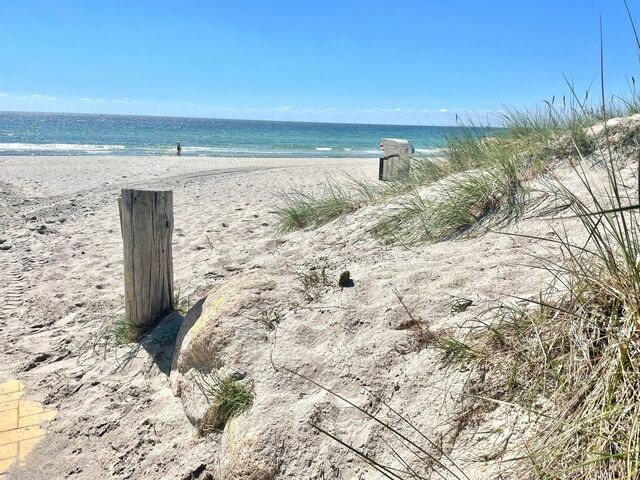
column 408, row 62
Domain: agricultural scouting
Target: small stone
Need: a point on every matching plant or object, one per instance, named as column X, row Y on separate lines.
column 5, row 246
column 345, row 279
column 42, row 229
column 225, row 224
column 32, row 218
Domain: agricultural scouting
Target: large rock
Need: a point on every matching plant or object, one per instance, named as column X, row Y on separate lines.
column 216, row 332
column 247, row 456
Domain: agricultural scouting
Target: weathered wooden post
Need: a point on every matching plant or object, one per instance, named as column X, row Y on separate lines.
column 146, row 220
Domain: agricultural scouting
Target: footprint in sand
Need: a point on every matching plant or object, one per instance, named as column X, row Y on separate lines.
column 20, row 421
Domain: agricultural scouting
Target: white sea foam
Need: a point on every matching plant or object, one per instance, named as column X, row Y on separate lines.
column 253, row 151
column 59, row 147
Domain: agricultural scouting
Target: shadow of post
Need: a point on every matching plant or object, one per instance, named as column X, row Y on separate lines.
column 188, row 321
column 160, row 343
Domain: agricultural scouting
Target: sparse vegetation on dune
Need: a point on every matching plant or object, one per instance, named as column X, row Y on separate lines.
column 570, row 357
column 227, row 398
column 300, row 209
column 308, row 209
column 479, row 174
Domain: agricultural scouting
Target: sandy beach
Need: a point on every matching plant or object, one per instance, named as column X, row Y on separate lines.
column 251, row 241
column 63, row 279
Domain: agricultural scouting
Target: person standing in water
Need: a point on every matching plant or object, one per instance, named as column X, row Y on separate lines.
column 179, row 149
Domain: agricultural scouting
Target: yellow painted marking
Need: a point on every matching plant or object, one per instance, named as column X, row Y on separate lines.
column 20, row 421
column 212, row 308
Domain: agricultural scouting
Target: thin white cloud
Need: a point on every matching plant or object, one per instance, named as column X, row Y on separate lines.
column 37, row 96
column 90, row 100
column 125, row 101
column 309, row 111
column 4, row 94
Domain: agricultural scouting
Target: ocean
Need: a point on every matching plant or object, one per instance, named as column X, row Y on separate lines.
column 24, row 133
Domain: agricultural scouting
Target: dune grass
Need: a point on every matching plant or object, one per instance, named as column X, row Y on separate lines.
column 227, row 398
column 299, row 209
column 479, row 174
column 572, row 355
column 314, row 282
column 182, row 302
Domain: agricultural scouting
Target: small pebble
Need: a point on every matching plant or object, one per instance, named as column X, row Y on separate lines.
column 345, row 279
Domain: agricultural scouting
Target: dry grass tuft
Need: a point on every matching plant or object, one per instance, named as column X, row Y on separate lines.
column 227, row 398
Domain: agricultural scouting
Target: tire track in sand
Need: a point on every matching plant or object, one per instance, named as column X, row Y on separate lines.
column 12, row 295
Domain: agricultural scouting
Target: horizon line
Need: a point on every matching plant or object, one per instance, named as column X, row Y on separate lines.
column 238, row 119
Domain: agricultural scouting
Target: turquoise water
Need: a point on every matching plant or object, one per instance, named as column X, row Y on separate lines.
column 71, row 134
